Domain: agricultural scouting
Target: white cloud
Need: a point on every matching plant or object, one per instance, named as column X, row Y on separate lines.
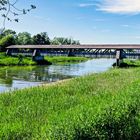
column 86, row 4
column 120, row 6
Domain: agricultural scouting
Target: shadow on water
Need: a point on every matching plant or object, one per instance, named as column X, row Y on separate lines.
column 21, row 77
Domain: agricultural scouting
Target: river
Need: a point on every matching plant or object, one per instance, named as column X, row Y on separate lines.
column 12, row 78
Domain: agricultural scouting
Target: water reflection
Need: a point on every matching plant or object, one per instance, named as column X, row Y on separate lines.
column 21, row 77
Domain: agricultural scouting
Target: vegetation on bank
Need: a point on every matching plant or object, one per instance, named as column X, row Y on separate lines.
column 129, row 63
column 97, row 106
column 65, row 59
column 132, row 63
column 11, row 61
column 8, row 60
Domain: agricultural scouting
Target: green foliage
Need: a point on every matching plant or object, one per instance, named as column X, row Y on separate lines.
column 41, row 39
column 6, row 41
column 8, row 60
column 24, row 38
column 132, row 62
column 65, row 59
column 129, row 63
column 9, row 32
column 9, row 11
column 64, row 41
column 21, row 60
column 99, row 106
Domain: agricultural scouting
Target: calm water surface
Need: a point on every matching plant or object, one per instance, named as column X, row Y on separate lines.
column 12, row 78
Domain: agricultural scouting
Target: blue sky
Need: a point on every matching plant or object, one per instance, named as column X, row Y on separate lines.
column 89, row 21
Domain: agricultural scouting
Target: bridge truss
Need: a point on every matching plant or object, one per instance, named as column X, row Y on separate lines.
column 94, row 51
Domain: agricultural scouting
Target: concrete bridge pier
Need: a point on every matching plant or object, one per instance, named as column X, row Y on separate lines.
column 119, row 57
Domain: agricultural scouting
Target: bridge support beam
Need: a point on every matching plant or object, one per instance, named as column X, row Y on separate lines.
column 71, row 53
column 119, row 56
column 7, row 52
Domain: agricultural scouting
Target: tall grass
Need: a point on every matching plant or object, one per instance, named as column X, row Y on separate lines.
column 99, row 106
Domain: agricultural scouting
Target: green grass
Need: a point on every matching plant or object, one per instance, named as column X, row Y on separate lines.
column 65, row 59
column 8, row 60
column 129, row 63
column 98, row 106
column 132, row 62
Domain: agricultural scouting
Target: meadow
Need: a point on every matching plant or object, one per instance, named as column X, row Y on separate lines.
column 97, row 106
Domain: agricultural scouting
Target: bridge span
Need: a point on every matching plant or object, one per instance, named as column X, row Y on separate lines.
column 118, row 51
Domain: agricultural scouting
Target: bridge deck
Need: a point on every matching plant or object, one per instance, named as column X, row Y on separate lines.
column 102, row 46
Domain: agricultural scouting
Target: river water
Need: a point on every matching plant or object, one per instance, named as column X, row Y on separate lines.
column 12, row 78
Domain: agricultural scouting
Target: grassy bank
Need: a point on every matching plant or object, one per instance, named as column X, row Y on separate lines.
column 8, row 60
column 132, row 63
column 99, row 106
column 129, row 63
column 65, row 59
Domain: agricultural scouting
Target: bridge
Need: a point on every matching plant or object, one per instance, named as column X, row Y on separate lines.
column 118, row 51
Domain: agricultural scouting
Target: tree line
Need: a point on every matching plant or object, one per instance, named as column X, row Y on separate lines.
column 10, row 37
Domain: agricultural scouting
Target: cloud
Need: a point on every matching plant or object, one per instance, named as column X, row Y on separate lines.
column 120, row 6
column 86, row 5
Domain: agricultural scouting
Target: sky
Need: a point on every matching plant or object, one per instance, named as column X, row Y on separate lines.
column 89, row 21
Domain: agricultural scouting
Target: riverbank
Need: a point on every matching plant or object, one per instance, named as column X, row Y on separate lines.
column 128, row 63
column 65, row 59
column 15, row 61
column 97, row 106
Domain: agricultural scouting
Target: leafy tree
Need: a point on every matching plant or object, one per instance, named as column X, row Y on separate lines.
column 9, row 9
column 24, row 39
column 6, row 41
column 64, row 41
column 9, row 32
column 41, row 39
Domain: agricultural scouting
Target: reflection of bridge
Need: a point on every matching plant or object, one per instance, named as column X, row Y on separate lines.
column 118, row 51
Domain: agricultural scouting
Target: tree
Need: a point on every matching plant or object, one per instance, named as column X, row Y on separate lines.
column 6, row 41
column 41, row 39
column 64, row 41
column 9, row 32
column 8, row 8
column 24, row 39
